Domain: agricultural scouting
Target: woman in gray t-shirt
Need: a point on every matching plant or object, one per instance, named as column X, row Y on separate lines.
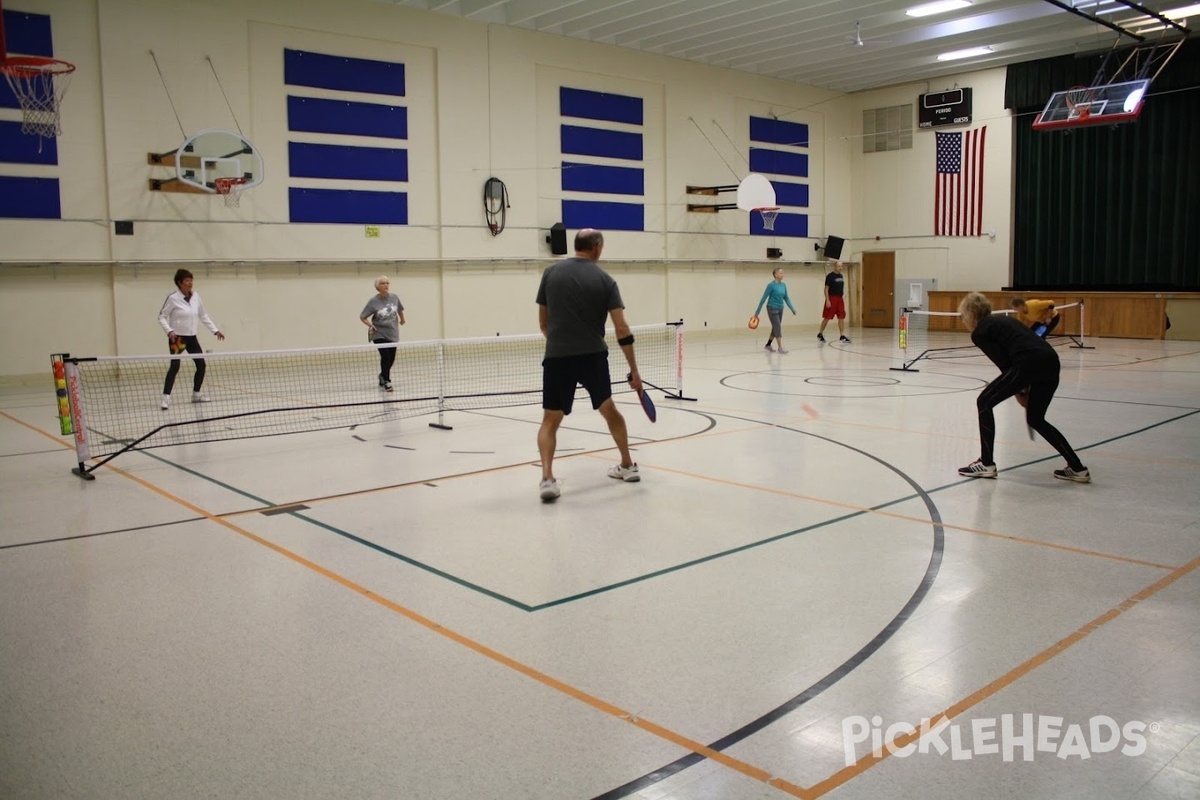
column 383, row 315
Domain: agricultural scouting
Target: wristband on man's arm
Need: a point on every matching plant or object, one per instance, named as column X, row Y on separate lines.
column 625, row 341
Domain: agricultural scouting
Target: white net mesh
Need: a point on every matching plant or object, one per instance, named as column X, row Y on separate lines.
column 39, row 85
column 768, row 217
column 231, row 189
column 266, row 393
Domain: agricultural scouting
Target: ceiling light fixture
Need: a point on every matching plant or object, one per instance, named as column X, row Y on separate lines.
column 969, row 53
column 940, row 7
column 1183, row 13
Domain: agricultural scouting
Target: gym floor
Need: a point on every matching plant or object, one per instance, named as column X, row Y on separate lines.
column 799, row 578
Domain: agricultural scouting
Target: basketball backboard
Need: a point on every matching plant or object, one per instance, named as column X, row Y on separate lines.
column 1093, row 105
column 209, row 156
column 755, row 191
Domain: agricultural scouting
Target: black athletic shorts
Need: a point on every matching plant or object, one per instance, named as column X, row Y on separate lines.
column 561, row 375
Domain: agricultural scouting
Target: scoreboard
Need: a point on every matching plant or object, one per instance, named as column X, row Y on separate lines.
column 951, row 107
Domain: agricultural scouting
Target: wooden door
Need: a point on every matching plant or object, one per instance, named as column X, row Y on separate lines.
column 878, row 288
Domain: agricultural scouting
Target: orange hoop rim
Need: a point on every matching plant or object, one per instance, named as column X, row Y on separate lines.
column 26, row 67
column 225, row 185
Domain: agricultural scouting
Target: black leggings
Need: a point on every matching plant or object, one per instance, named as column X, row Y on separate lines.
column 192, row 345
column 1041, row 378
column 387, row 357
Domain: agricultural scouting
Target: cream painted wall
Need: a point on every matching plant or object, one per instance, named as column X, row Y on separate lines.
column 482, row 103
column 894, row 192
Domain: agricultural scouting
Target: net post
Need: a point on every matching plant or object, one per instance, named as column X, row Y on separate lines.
column 1080, row 343
column 902, row 341
column 678, row 363
column 441, row 401
column 74, row 386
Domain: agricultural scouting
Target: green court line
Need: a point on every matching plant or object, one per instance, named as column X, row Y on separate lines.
column 667, row 570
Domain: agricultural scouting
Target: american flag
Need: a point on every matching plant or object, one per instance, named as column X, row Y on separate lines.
column 958, row 190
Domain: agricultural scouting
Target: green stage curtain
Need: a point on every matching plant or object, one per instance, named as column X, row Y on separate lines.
column 1107, row 207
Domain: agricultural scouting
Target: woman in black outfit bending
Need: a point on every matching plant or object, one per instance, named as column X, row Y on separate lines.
column 1028, row 369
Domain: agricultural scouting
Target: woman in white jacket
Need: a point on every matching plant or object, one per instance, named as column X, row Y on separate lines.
column 180, row 316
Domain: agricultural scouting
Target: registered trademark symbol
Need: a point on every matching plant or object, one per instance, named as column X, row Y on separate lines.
column 1155, row 727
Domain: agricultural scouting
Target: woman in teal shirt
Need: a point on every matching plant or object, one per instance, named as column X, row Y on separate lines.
column 775, row 295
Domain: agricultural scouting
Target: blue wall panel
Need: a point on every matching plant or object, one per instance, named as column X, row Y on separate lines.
column 604, row 216
column 307, row 160
column 599, row 105
column 22, row 148
column 785, row 225
column 790, row 194
column 301, row 68
column 581, row 141
column 348, row 206
column 777, row 131
column 607, row 180
column 777, row 162
column 29, row 198
column 28, row 34
column 319, row 115
column 25, row 35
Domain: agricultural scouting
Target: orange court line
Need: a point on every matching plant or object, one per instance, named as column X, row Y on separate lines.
column 807, row 793
column 597, row 703
column 866, row 762
column 909, row 518
column 666, row 734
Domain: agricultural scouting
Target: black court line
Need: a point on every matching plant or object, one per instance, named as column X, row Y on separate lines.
column 839, row 672
column 30, row 453
column 844, row 669
column 60, row 539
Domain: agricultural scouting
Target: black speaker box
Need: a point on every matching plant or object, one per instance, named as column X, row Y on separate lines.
column 558, row 239
column 833, row 247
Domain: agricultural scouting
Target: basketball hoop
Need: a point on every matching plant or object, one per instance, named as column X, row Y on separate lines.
column 39, row 84
column 768, row 217
column 1079, row 101
column 231, row 189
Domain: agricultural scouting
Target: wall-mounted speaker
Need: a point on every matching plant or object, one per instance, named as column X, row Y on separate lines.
column 558, row 239
column 833, row 247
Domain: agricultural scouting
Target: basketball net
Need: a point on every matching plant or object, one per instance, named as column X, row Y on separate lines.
column 39, row 85
column 231, row 189
column 1079, row 101
column 768, row 217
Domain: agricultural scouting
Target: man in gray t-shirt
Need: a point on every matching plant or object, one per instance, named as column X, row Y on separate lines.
column 574, row 299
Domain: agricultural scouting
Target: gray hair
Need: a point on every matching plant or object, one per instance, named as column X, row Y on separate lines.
column 382, row 279
column 975, row 307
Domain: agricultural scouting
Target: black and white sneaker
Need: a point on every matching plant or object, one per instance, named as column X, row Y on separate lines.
column 1077, row 475
column 820, row 337
column 845, row 339
column 977, row 469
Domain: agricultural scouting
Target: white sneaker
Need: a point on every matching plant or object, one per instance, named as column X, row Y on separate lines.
column 785, row 352
column 198, row 397
column 549, row 489
column 166, row 402
column 628, row 474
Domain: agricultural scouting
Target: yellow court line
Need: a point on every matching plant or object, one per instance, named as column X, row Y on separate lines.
column 742, row 767
column 597, row 703
column 866, row 762
column 666, row 734
column 908, row 518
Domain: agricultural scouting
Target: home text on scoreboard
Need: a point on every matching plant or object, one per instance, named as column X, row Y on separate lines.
column 951, row 107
